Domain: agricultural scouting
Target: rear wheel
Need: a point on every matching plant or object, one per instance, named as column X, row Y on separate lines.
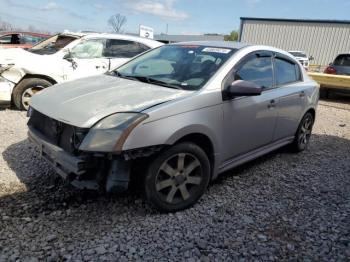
column 178, row 177
column 303, row 133
column 26, row 89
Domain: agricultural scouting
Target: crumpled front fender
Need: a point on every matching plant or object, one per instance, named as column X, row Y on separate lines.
column 13, row 74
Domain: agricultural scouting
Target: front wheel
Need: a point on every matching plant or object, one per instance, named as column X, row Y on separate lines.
column 177, row 178
column 303, row 133
column 26, row 89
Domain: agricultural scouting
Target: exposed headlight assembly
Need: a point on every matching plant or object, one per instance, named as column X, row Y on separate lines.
column 110, row 133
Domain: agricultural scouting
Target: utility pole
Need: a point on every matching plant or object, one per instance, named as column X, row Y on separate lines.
column 167, row 27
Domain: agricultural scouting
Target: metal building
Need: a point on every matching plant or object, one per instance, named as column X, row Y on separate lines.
column 321, row 39
column 185, row 38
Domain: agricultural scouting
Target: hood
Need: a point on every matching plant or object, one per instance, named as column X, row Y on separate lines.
column 22, row 58
column 12, row 55
column 85, row 101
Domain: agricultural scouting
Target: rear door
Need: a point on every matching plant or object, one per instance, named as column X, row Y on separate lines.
column 292, row 95
column 249, row 121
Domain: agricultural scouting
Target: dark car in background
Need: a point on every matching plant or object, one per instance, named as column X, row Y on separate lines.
column 20, row 39
column 340, row 66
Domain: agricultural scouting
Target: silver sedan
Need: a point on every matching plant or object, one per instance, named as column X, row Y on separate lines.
column 174, row 118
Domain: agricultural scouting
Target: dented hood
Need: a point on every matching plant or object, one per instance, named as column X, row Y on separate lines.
column 14, row 56
column 85, row 101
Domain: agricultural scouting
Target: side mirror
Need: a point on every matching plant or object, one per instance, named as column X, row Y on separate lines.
column 67, row 55
column 311, row 58
column 244, row 88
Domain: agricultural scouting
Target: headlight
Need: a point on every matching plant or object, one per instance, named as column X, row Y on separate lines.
column 110, row 133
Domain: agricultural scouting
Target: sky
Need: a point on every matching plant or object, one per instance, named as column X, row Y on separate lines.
column 181, row 16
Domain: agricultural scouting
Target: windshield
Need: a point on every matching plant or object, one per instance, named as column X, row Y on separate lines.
column 52, row 44
column 186, row 67
column 298, row 54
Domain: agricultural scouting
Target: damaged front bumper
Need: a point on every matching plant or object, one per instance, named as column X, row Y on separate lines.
column 6, row 88
column 62, row 162
column 114, row 179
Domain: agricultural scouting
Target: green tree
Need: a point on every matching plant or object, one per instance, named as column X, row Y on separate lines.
column 233, row 36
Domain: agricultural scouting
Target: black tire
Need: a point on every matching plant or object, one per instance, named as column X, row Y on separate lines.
column 303, row 134
column 183, row 183
column 22, row 90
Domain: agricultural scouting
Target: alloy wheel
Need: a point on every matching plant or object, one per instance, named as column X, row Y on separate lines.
column 27, row 95
column 178, row 178
column 305, row 131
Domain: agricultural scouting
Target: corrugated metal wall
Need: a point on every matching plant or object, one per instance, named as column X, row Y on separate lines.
column 320, row 40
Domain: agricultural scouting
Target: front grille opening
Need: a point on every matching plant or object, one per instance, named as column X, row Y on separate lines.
column 65, row 136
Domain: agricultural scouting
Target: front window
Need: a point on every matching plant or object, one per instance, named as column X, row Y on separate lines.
column 186, row 67
column 257, row 69
column 31, row 39
column 89, row 49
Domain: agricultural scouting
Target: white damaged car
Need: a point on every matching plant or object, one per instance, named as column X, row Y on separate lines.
column 63, row 57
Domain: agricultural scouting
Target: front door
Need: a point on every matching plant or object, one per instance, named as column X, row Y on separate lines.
column 249, row 122
column 86, row 59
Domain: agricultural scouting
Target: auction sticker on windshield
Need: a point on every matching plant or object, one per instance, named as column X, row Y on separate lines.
column 216, row 50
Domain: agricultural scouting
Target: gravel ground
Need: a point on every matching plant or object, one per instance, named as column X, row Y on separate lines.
column 280, row 207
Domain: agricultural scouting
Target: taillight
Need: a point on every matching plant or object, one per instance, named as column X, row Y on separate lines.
column 330, row 70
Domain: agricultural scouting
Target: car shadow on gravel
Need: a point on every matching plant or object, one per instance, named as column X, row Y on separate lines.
column 46, row 192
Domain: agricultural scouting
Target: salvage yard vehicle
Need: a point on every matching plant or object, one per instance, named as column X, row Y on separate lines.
column 340, row 66
column 183, row 112
column 63, row 57
column 20, row 39
column 336, row 77
column 302, row 58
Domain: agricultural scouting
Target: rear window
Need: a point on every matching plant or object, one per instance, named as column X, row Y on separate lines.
column 5, row 39
column 123, row 48
column 342, row 60
column 286, row 72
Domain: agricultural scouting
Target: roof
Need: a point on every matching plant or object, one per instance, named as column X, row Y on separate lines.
column 223, row 44
column 297, row 20
column 149, row 42
column 181, row 38
column 23, row 32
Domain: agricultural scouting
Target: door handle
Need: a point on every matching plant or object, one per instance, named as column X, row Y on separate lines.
column 302, row 94
column 272, row 104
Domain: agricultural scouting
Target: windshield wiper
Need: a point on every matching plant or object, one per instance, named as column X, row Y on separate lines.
column 118, row 74
column 146, row 79
column 162, row 83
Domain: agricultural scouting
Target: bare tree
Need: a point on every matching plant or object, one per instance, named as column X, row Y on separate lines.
column 117, row 21
column 5, row 26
